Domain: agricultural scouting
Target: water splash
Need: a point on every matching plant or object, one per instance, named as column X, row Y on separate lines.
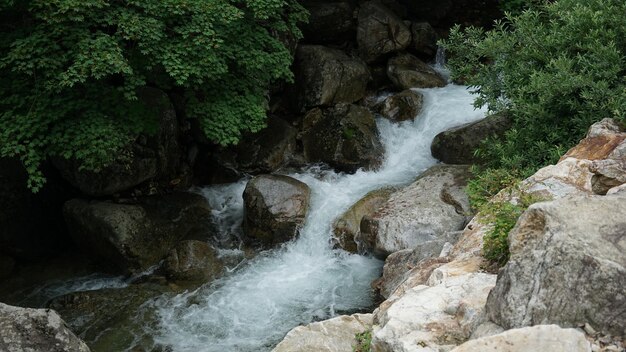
column 304, row 280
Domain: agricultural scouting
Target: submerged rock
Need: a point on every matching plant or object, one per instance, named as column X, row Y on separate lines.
column 36, row 330
column 432, row 205
column 380, row 31
column 537, row 338
column 326, row 76
column 332, row 335
column 275, row 208
column 402, row 106
column 344, row 136
column 133, row 237
column 567, row 266
column 406, row 71
column 457, row 145
column 346, row 228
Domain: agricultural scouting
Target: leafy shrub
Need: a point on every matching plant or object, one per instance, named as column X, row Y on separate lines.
column 70, row 70
column 363, row 341
column 557, row 69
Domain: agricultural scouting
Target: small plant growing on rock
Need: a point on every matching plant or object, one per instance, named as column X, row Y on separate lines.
column 363, row 341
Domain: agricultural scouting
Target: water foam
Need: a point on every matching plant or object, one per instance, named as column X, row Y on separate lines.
column 252, row 308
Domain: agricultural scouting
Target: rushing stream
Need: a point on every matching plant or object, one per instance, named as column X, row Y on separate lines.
column 256, row 305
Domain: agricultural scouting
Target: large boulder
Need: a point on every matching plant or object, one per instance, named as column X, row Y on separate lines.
column 423, row 211
column 150, row 157
column 406, row 71
column 192, row 260
column 344, row 136
column 326, row 76
column 108, row 319
column 329, row 22
column 332, row 335
column 457, row 145
column 133, row 237
column 36, row 330
column 275, row 208
column 432, row 317
column 424, row 40
column 402, row 106
column 346, row 228
column 261, row 152
column 537, row 338
column 380, row 31
column 567, row 266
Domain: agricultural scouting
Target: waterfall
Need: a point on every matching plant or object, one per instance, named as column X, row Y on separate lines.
column 253, row 307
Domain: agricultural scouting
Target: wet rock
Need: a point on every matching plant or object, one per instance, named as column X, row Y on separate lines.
column 262, row 152
column 133, row 237
column 329, row 22
column 402, row 106
column 326, row 76
column 406, row 71
column 25, row 329
column 398, row 265
column 192, row 260
column 434, row 317
column 149, row 157
column 536, row 338
column 346, row 227
column 108, row 319
column 457, row 145
column 380, row 31
column 275, row 208
column 424, row 211
column 344, row 136
column 332, row 335
column 554, row 273
column 424, row 40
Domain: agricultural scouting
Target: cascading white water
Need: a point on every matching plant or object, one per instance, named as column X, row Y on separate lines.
column 305, row 280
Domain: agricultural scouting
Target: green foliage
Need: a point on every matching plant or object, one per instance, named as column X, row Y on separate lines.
column 487, row 183
column 70, row 71
column 363, row 342
column 557, row 69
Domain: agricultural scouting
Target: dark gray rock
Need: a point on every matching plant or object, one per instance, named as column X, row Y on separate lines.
column 149, row 157
column 402, row 106
column 275, row 208
column 344, row 136
column 133, row 237
column 329, row 22
column 424, row 40
column 36, row 330
column 326, row 76
column 406, row 71
column 380, row 31
column 193, row 260
column 457, row 145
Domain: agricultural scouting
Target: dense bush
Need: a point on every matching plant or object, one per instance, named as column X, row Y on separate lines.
column 70, row 70
column 557, row 69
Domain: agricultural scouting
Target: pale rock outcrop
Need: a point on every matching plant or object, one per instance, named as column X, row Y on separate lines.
column 428, row 318
column 537, row 338
column 275, row 208
column 380, row 31
column 36, row 330
column 332, row 335
column 567, row 266
column 432, row 205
